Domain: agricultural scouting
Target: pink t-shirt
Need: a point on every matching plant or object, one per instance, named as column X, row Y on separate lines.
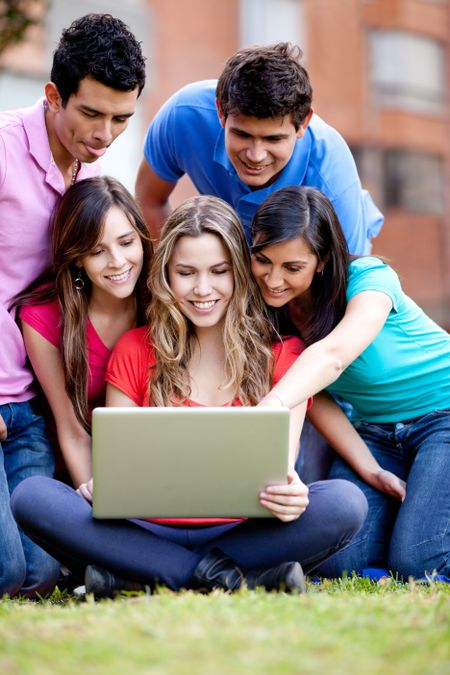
column 46, row 320
column 128, row 370
column 30, row 184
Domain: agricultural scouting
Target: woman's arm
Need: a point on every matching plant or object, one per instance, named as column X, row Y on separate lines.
column 330, row 421
column 321, row 363
column 115, row 398
column 74, row 441
column 287, row 502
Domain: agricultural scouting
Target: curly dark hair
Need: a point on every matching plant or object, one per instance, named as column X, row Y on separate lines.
column 100, row 46
column 266, row 82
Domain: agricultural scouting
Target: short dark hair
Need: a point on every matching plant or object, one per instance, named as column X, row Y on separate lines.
column 301, row 212
column 100, row 46
column 266, row 82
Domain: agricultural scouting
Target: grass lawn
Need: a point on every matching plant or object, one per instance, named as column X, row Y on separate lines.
column 350, row 626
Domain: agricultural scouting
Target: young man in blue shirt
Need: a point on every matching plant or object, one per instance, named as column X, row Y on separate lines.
column 247, row 135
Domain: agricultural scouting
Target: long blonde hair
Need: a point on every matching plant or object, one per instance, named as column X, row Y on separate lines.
column 246, row 329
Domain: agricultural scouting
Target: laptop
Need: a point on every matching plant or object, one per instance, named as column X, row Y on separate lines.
column 187, row 462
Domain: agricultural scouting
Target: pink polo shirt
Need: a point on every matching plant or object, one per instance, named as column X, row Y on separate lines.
column 30, row 184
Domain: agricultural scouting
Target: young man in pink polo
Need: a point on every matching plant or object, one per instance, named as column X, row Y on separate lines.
column 97, row 75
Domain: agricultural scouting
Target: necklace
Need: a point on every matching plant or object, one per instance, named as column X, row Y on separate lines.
column 75, row 169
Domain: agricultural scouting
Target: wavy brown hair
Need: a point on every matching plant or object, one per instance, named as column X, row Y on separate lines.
column 77, row 227
column 246, row 330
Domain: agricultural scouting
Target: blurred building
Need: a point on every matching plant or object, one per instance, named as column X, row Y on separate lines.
column 380, row 73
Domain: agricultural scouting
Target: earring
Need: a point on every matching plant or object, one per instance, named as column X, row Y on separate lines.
column 320, row 274
column 79, row 281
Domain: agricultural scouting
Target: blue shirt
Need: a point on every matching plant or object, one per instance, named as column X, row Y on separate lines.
column 405, row 372
column 186, row 137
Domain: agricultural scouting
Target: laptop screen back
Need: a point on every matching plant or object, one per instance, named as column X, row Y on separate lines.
column 186, row 462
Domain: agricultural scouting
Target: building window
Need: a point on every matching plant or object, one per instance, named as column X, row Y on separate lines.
column 408, row 71
column 268, row 21
column 402, row 179
column 413, row 181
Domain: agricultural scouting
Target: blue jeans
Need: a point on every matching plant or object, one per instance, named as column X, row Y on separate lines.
column 315, row 456
column 412, row 538
column 24, row 566
column 61, row 521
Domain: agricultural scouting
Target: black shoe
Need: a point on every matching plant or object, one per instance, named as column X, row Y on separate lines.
column 286, row 577
column 216, row 570
column 104, row 584
column 68, row 581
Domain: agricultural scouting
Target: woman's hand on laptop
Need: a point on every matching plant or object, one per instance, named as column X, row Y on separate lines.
column 86, row 490
column 287, row 502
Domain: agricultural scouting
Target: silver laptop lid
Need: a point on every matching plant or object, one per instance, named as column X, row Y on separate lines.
column 186, row 462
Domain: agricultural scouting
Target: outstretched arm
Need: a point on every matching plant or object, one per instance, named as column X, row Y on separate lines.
column 152, row 194
column 321, row 363
column 330, row 421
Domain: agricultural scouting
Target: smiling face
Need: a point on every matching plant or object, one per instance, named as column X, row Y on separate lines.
column 89, row 122
column 201, row 279
column 285, row 271
column 259, row 149
column 115, row 263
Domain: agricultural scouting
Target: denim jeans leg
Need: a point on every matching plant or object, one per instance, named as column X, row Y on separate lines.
column 315, row 455
column 27, row 452
column 370, row 546
column 336, row 512
column 420, row 540
column 12, row 559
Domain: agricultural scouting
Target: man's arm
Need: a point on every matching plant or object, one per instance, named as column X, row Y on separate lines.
column 152, row 194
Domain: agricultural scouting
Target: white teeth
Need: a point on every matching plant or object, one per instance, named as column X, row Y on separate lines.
column 204, row 305
column 119, row 277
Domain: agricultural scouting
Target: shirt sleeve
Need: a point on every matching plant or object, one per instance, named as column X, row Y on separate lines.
column 160, row 142
column 45, row 319
column 2, row 162
column 372, row 274
column 128, row 367
column 360, row 219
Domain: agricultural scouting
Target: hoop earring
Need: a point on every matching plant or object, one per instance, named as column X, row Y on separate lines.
column 79, row 282
column 320, row 274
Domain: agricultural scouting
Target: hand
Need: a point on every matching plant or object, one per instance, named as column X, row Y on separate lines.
column 286, row 502
column 388, row 482
column 271, row 401
column 3, row 430
column 86, row 490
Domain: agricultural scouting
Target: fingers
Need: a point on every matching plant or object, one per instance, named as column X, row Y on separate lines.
column 3, row 430
column 286, row 502
column 393, row 485
column 86, row 490
column 271, row 401
column 295, row 489
column 284, row 512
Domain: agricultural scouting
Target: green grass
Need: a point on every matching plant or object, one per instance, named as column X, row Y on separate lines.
column 349, row 626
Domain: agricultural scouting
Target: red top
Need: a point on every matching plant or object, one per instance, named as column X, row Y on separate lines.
column 47, row 321
column 129, row 369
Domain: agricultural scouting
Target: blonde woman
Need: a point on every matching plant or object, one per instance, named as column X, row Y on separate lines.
column 208, row 343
